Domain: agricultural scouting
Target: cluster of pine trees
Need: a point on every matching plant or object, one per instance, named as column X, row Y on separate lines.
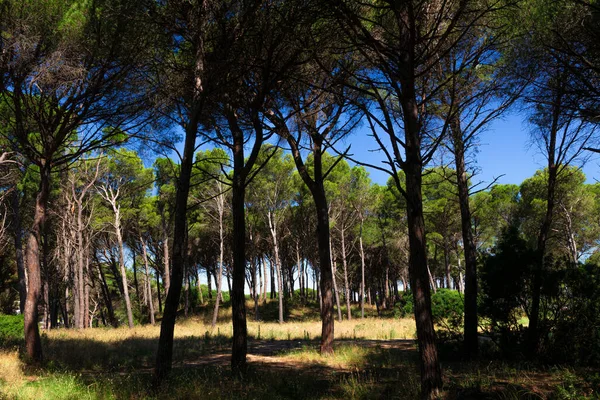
column 90, row 231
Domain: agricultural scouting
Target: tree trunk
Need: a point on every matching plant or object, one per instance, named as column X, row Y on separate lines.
column 345, row 266
column 335, row 286
column 148, row 286
column 220, row 207
column 533, row 332
column 240, row 340
column 164, row 354
column 273, row 230
column 32, row 334
column 122, row 265
column 470, row 290
column 362, row 271
column 431, row 376
column 16, row 225
column 167, row 263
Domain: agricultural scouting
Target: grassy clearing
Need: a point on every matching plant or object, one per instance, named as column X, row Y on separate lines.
column 374, row 358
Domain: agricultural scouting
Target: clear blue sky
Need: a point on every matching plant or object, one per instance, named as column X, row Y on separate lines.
column 504, row 149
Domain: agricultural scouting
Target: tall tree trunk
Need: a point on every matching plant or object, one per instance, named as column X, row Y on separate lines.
column 273, row 229
column 164, row 354
column 147, row 286
column 238, row 305
column 16, row 225
column 345, row 266
column 32, row 334
column 534, row 317
column 362, row 271
column 167, row 262
column 122, row 265
column 200, row 295
column 220, row 207
column 106, row 295
column 335, row 286
column 431, row 376
column 470, row 290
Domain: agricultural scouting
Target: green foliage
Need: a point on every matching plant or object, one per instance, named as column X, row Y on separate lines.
column 447, row 307
column 11, row 330
column 504, row 276
column 576, row 337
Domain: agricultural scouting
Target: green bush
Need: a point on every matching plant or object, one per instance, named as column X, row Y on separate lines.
column 447, row 307
column 11, row 330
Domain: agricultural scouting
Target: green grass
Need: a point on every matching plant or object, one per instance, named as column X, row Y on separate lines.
column 375, row 358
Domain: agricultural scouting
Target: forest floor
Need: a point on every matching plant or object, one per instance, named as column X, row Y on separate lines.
column 375, row 358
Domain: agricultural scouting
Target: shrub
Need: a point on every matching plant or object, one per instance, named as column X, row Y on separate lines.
column 447, row 307
column 11, row 330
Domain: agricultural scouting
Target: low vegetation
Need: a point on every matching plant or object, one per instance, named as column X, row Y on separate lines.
column 374, row 358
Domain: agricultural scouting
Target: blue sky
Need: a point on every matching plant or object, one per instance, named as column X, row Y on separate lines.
column 504, row 148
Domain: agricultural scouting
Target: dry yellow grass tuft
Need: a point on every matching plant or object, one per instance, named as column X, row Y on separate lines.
column 11, row 367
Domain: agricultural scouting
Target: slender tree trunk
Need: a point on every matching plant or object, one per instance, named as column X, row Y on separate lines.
column 345, row 266
column 200, row 295
column 335, row 286
column 220, row 208
column 122, row 265
column 240, row 340
column 16, row 225
column 157, row 275
column 148, row 286
column 470, row 323
column 431, row 376
column 106, row 295
column 326, row 276
column 32, row 334
column 534, row 317
column 167, row 262
column 273, row 230
column 164, row 354
column 362, row 271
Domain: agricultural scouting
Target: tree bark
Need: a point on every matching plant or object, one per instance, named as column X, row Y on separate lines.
column 345, row 266
column 164, row 354
column 220, row 210
column 147, row 285
column 273, row 229
column 534, row 317
column 470, row 323
column 122, row 265
column 32, row 334
column 16, row 222
column 431, row 376
column 240, row 340
column 362, row 271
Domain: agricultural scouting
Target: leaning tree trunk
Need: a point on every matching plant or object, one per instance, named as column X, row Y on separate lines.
column 470, row 290
column 32, row 334
column 164, row 354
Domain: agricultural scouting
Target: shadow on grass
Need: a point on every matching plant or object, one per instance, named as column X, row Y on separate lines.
column 278, row 369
